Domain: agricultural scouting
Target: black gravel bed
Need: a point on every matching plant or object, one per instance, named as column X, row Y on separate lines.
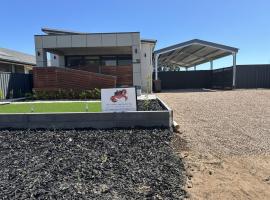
column 149, row 105
column 90, row 164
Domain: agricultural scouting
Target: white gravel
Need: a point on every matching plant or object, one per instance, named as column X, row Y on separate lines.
column 223, row 122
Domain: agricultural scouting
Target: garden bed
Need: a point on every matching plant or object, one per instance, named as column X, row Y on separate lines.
column 113, row 164
column 70, row 106
column 151, row 113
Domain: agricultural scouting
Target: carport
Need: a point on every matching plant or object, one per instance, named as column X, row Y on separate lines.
column 193, row 53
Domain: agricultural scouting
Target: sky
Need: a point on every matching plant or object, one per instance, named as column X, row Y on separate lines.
column 244, row 24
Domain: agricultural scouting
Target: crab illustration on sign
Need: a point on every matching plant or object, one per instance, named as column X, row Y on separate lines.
column 119, row 94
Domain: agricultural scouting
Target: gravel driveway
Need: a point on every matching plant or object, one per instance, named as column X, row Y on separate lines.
column 228, row 139
column 223, row 122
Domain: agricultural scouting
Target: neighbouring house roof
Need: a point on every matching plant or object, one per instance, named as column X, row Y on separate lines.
column 9, row 55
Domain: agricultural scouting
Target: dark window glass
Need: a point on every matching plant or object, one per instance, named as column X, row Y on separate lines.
column 75, row 61
column 109, row 61
column 124, row 60
column 92, row 60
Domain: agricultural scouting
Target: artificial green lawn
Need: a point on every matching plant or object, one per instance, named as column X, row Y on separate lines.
column 51, row 107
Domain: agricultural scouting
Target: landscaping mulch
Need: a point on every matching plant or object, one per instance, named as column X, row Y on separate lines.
column 89, row 164
column 149, row 105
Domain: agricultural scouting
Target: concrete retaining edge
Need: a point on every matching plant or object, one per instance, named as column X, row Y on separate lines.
column 101, row 120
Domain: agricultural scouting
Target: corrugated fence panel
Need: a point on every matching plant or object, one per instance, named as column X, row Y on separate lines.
column 15, row 85
column 247, row 76
column 253, row 76
column 185, row 79
column 222, row 78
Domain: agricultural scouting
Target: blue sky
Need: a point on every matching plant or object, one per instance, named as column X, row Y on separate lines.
column 244, row 24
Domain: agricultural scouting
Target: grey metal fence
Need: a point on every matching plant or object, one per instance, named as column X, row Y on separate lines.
column 15, row 85
column 253, row 76
column 185, row 79
column 222, row 78
column 247, row 76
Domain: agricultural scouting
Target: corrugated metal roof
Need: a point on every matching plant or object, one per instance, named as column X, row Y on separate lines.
column 193, row 52
column 17, row 57
column 51, row 31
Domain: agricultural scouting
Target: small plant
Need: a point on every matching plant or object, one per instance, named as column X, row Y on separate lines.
column 67, row 94
column 86, row 107
column 29, row 95
column 146, row 102
column 1, row 95
column 32, row 108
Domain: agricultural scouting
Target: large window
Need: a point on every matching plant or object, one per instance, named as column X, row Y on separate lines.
column 73, row 61
column 94, row 61
column 124, row 60
column 109, row 60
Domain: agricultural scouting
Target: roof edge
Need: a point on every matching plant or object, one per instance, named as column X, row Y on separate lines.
column 196, row 41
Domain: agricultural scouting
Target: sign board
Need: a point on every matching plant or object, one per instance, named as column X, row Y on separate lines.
column 118, row 99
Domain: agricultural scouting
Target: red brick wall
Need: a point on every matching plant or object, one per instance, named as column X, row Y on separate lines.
column 53, row 78
column 124, row 74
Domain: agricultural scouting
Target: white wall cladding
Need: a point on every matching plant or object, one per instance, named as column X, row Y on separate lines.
column 146, row 66
column 108, row 40
column 137, row 67
column 93, row 40
column 38, row 42
column 124, row 39
column 49, row 41
column 78, row 40
column 136, row 40
column 88, row 40
column 63, row 41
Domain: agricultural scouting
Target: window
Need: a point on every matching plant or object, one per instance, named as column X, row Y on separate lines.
column 124, row 60
column 92, row 60
column 109, row 61
column 73, row 61
column 96, row 61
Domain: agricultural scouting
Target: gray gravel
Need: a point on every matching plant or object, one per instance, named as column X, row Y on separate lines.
column 223, row 122
column 149, row 105
column 90, row 164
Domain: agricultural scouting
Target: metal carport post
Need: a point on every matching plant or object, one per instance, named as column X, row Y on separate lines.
column 156, row 66
column 234, row 69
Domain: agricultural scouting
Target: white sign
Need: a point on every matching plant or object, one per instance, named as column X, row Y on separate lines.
column 118, row 99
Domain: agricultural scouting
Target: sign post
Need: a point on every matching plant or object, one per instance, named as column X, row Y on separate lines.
column 118, row 99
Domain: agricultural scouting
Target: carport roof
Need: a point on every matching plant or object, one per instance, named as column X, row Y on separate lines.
column 192, row 53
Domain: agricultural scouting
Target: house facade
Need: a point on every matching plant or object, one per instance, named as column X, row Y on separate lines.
column 16, row 62
column 87, row 60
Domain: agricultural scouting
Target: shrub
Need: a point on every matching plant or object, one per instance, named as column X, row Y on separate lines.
column 1, row 95
column 66, row 94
